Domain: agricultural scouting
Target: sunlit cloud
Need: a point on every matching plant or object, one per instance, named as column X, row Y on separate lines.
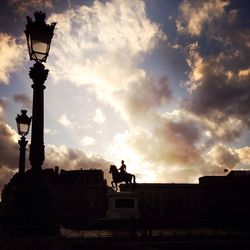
column 8, row 153
column 74, row 159
column 2, row 106
column 195, row 14
column 51, row 131
column 244, row 73
column 223, row 156
column 109, row 52
column 87, row 141
column 109, row 42
column 11, row 56
column 244, row 155
column 66, row 121
column 196, row 64
column 65, row 157
column 99, row 117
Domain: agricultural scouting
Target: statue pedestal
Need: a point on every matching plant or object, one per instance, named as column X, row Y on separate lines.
column 122, row 205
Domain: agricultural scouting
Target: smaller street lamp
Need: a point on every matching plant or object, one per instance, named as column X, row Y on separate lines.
column 23, row 126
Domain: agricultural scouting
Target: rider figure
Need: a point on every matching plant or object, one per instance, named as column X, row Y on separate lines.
column 123, row 168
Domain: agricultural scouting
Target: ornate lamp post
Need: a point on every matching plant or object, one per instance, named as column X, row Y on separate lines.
column 23, row 126
column 39, row 36
column 27, row 199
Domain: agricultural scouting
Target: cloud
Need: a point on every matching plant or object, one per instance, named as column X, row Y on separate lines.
column 11, row 56
column 68, row 122
column 62, row 156
column 65, row 120
column 103, row 47
column 217, row 81
column 24, row 100
column 74, row 159
column 9, row 153
column 110, row 43
column 8, row 146
column 218, row 89
column 87, row 141
column 5, row 175
column 244, row 73
column 244, row 155
column 3, row 105
column 24, row 6
column 194, row 15
column 223, row 156
column 168, row 142
column 99, row 117
column 196, row 64
column 141, row 101
column 51, row 131
column 110, row 39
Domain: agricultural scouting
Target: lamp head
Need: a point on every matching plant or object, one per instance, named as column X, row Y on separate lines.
column 39, row 36
column 23, row 123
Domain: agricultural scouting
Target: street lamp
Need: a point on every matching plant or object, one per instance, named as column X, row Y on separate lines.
column 39, row 36
column 23, row 126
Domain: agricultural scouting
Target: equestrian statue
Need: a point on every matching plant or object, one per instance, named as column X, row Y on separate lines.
column 120, row 176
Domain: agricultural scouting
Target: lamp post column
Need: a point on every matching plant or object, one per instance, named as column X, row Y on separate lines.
column 38, row 74
column 22, row 143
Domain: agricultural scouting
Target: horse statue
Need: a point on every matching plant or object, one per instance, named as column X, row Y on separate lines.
column 120, row 177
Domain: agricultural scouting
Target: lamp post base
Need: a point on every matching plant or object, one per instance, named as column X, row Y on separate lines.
column 27, row 206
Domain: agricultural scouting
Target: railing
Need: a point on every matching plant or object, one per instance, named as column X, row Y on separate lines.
column 69, row 233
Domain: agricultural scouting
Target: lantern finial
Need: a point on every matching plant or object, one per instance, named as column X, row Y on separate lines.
column 40, row 16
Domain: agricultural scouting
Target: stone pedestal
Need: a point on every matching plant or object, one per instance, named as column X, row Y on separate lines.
column 122, row 205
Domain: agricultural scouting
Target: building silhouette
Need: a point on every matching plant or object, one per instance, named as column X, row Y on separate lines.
column 215, row 202
column 80, row 196
column 81, row 199
column 38, row 203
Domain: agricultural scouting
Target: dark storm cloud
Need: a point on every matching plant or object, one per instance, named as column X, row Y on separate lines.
column 216, row 93
column 221, row 89
column 219, row 82
column 24, row 100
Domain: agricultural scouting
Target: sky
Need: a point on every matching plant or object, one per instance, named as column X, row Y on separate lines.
column 161, row 84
